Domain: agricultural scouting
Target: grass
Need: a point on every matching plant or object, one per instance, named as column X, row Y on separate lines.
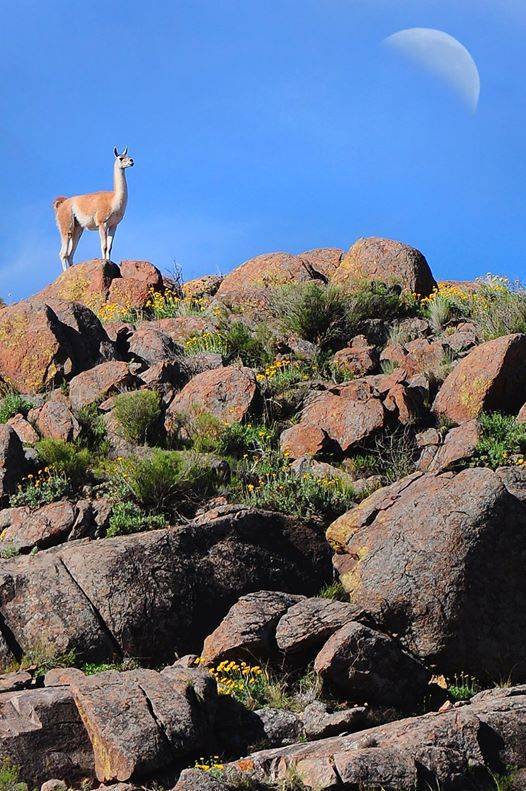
column 463, row 687
column 138, row 415
column 502, row 441
column 10, row 776
column 334, row 590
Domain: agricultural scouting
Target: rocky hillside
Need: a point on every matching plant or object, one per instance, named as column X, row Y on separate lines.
column 265, row 531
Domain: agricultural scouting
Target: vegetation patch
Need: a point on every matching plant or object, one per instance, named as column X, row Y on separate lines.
column 138, row 414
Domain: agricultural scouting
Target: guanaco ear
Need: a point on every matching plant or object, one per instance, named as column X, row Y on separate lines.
column 124, row 152
column 115, row 151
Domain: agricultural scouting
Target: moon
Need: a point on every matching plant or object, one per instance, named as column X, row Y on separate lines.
column 442, row 55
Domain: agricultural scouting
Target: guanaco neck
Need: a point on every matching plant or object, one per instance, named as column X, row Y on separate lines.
column 120, row 188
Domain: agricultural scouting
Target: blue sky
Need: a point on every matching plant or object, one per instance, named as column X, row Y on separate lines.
column 260, row 125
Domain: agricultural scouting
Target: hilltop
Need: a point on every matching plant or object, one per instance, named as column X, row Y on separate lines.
column 266, row 530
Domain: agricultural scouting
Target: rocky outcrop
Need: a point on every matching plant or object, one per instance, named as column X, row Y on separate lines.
column 100, row 382
column 270, row 269
column 154, row 594
column 227, row 393
column 460, row 748
column 436, row 558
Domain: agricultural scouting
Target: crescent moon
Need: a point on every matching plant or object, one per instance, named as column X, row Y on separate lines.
column 442, row 55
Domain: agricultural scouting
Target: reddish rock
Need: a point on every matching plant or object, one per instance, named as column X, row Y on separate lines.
column 304, row 440
column 270, row 269
column 84, row 333
column 34, row 350
column 100, row 382
column 323, row 261
column 358, row 359
column 247, row 631
column 24, row 429
column 152, row 345
column 87, row 283
column 55, row 420
column 492, row 377
column 366, row 665
column 51, row 524
column 128, row 293
column 459, row 446
column 202, row 286
column 348, row 415
column 142, row 271
column 319, row 722
column 446, row 750
column 387, row 261
column 227, row 393
column 424, row 355
column 181, row 328
column 309, row 623
column 437, row 559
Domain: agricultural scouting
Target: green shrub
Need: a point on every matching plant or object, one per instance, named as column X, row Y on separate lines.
column 334, row 590
column 127, row 517
column 499, row 308
column 92, row 668
column 64, row 458
column 44, row 658
column 243, row 438
column 165, row 481
column 10, row 776
column 40, row 489
column 206, row 342
column 501, row 438
column 463, row 687
column 243, row 344
column 138, row 414
column 92, row 429
column 11, row 404
column 278, row 488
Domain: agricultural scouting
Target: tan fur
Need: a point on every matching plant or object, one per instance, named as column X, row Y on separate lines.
column 100, row 211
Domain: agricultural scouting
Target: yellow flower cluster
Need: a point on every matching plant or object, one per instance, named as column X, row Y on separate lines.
column 212, row 764
column 237, row 677
column 272, row 370
column 168, row 303
column 42, row 477
column 447, row 291
column 113, row 311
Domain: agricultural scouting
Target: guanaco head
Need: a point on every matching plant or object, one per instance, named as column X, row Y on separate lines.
column 123, row 160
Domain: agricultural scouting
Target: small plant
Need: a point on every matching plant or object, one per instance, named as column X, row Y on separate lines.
column 114, row 311
column 43, row 658
column 10, row 776
column 171, row 303
column 92, row 668
column 126, row 518
column 502, row 441
column 499, row 307
column 92, row 429
column 8, row 550
column 207, row 343
column 64, row 459
column 138, row 414
column 334, row 590
column 251, row 685
column 11, row 404
column 40, row 489
column 281, row 374
column 396, row 453
column 463, row 687
column 213, row 765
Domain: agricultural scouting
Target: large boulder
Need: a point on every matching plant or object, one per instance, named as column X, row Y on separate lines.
column 438, row 559
column 24, row 529
column 367, row 666
column 227, row 393
column 269, row 269
column 492, row 377
column 154, row 594
column 388, row 261
column 323, row 261
column 305, row 626
column 84, row 333
column 459, row 749
column 151, row 345
column 88, row 282
column 35, row 352
column 55, row 420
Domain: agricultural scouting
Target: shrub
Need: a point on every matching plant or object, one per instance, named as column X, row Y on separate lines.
column 44, row 658
column 281, row 374
column 447, row 303
column 40, row 489
column 11, row 404
column 396, row 453
column 138, row 414
column 463, row 687
column 334, row 590
column 502, row 441
column 92, row 429
column 64, row 459
column 165, row 481
column 279, row 488
column 10, row 776
column 127, row 517
column 242, row 344
column 171, row 303
column 206, row 342
column 499, row 307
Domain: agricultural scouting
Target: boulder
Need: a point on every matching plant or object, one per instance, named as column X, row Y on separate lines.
column 88, row 283
column 348, row 415
column 151, row 345
column 41, row 731
column 84, row 334
column 319, row 722
column 303, row 441
column 279, row 726
column 492, row 377
column 181, row 328
column 127, row 294
column 307, row 625
column 459, row 446
column 367, row 666
column 142, row 271
column 35, row 352
column 269, row 269
column 437, row 559
column 154, row 594
column 323, row 261
column 24, row 529
column 227, row 393
column 13, row 464
column 24, row 429
column 140, row 721
column 388, row 261
column 247, row 631
column 54, row 419
column 357, row 359
column 205, row 286
column 100, row 382
column 458, row 749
